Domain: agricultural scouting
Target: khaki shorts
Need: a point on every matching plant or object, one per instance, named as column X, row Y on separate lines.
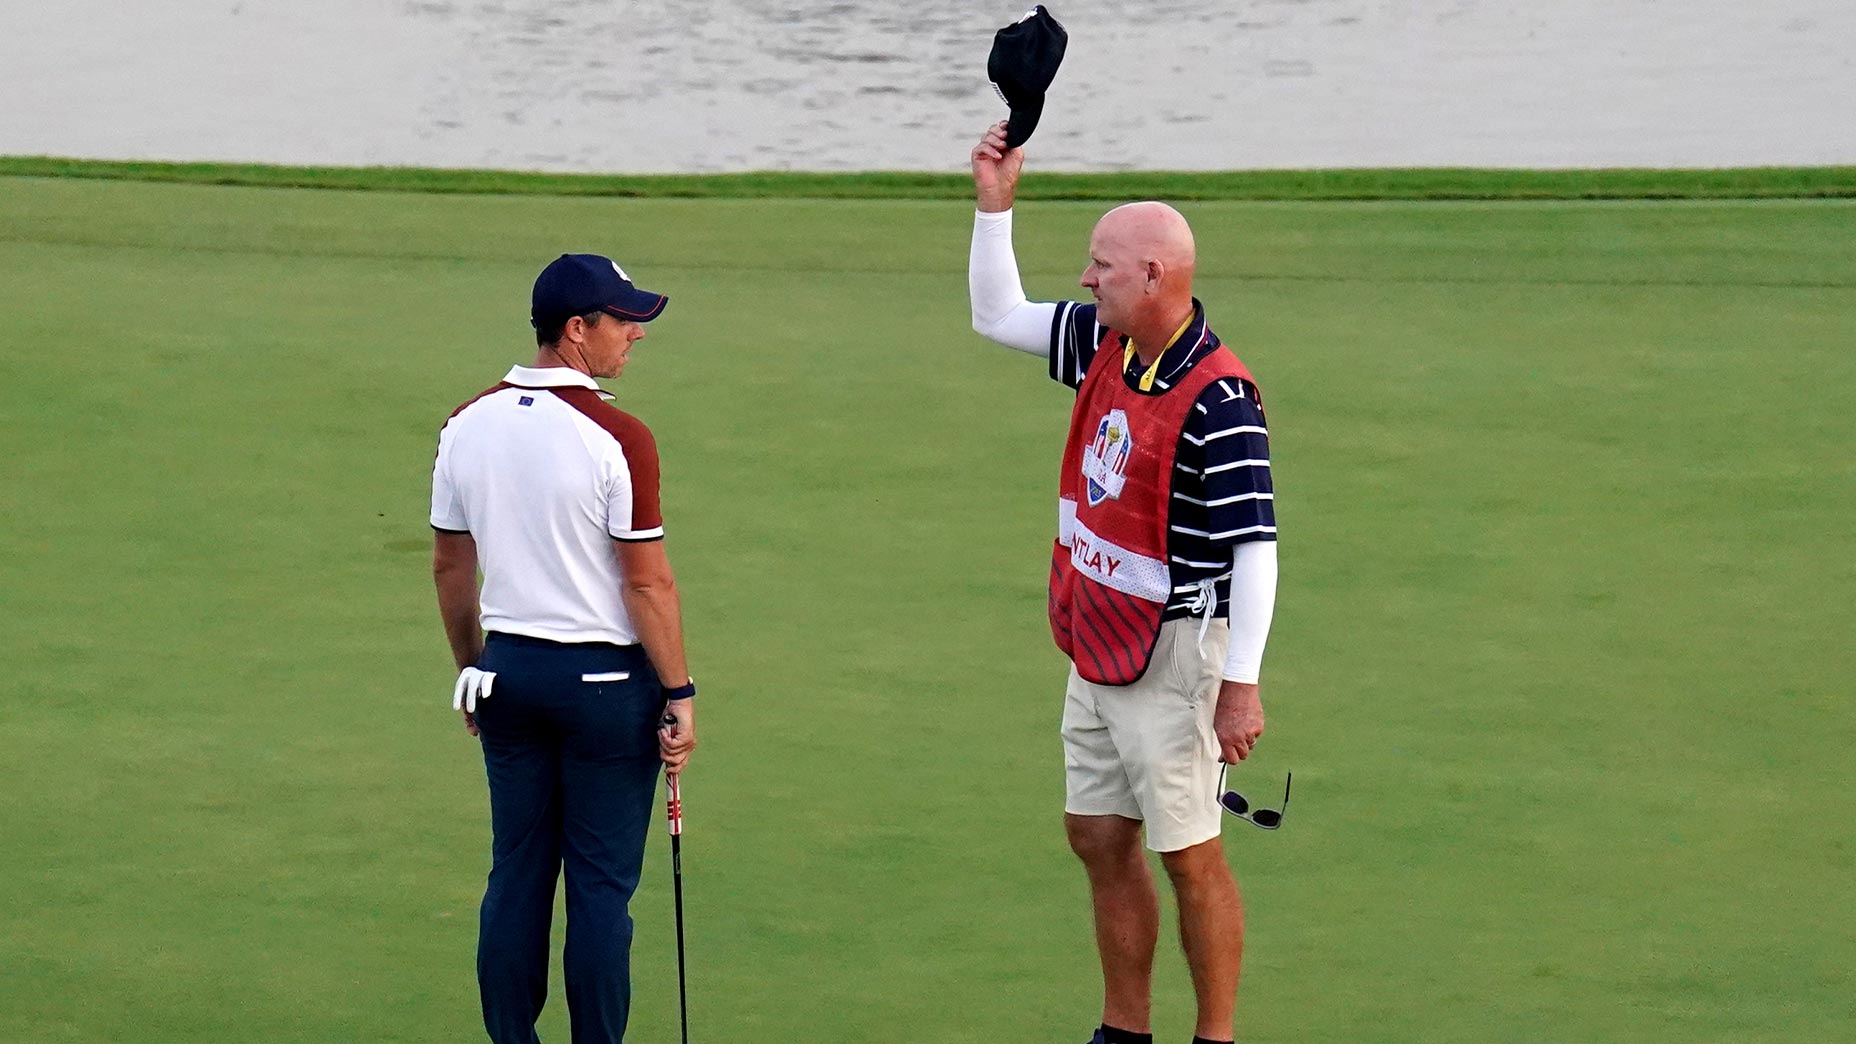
column 1147, row 751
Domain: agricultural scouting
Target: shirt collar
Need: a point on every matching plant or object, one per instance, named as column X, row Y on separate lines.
column 551, row 377
column 1178, row 356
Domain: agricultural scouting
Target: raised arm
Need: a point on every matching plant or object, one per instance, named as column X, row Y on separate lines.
column 995, row 171
column 1000, row 311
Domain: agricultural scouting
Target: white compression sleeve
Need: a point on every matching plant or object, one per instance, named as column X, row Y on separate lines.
column 1253, row 602
column 1000, row 311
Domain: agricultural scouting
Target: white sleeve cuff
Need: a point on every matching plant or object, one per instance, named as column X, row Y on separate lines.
column 1253, row 602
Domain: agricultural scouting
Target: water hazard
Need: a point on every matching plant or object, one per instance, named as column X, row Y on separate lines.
column 657, row 85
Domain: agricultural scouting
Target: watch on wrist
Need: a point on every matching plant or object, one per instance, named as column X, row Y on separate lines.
column 681, row 692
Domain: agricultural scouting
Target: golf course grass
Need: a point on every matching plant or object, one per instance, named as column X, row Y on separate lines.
column 1342, row 184
column 1562, row 656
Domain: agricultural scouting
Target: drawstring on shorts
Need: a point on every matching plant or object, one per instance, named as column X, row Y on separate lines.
column 1204, row 601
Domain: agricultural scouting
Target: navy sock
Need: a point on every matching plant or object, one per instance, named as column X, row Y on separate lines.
column 1111, row 1035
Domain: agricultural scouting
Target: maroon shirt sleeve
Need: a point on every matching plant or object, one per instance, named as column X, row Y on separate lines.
column 641, row 459
column 640, row 449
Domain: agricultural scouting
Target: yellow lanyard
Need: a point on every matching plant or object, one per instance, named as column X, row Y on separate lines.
column 1147, row 379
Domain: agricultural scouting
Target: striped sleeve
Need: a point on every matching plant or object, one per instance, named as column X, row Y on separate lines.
column 1073, row 339
column 1223, row 495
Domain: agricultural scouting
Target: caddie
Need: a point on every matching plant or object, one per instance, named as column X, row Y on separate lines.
column 1162, row 579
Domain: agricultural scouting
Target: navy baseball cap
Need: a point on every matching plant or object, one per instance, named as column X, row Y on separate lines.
column 1024, row 60
column 580, row 284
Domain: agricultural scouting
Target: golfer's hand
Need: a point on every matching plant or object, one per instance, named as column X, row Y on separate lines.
column 473, row 685
column 676, row 734
column 1238, row 721
column 995, row 170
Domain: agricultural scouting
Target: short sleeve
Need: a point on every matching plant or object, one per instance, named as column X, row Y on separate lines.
column 447, row 507
column 1226, row 444
column 634, row 512
column 1073, row 339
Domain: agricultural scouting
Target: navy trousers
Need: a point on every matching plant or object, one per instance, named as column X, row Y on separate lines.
column 570, row 748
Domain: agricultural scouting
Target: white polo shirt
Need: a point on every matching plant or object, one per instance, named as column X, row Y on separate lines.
column 545, row 474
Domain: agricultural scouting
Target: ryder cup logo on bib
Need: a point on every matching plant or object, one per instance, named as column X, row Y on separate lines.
column 1105, row 460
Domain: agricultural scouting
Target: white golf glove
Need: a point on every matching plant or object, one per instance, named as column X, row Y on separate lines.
column 473, row 685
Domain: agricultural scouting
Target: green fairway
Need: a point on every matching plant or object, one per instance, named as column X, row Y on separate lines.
column 1562, row 655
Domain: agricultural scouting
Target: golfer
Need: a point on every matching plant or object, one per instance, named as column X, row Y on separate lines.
column 1162, row 581
column 579, row 690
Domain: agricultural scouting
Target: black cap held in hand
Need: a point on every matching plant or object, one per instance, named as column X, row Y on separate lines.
column 1024, row 60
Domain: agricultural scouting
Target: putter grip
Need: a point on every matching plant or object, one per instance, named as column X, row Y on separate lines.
column 673, row 806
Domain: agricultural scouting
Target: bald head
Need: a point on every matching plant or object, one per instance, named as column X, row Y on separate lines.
column 1141, row 262
column 1152, row 230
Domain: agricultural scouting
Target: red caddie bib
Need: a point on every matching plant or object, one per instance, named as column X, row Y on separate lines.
column 1109, row 577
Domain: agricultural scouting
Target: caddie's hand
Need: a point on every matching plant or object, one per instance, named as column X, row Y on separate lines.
column 473, row 685
column 995, row 170
column 1238, row 720
column 676, row 734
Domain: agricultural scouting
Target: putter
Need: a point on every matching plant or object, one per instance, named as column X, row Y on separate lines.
column 673, row 807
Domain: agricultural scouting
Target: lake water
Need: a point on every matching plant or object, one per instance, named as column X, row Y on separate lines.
column 656, row 85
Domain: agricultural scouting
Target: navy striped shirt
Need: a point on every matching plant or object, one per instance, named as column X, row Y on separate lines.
column 1222, row 494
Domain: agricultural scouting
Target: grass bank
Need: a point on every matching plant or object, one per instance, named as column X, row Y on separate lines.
column 1411, row 184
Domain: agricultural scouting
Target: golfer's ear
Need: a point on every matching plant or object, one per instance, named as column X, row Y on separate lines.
column 1156, row 272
